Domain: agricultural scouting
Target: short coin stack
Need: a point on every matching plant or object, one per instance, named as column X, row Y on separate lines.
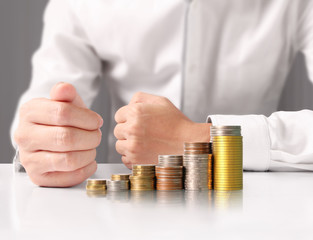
column 96, row 185
column 118, row 182
column 227, row 152
column 169, row 172
column 119, row 185
column 143, row 177
column 196, row 162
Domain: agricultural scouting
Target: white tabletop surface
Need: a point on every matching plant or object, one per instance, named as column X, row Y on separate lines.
column 271, row 206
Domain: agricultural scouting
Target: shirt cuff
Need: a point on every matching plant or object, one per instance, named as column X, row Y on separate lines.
column 18, row 167
column 256, row 138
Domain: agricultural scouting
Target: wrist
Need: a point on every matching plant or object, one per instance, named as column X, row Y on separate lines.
column 199, row 132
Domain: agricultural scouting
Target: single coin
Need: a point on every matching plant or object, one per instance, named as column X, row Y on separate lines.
column 120, row 176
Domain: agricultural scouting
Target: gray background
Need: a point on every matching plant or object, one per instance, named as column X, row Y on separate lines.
column 20, row 28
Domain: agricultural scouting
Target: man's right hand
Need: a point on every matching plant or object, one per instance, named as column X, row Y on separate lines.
column 57, row 138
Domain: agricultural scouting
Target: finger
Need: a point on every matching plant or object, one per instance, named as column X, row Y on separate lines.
column 141, row 97
column 120, row 131
column 65, row 179
column 126, row 162
column 121, row 114
column 121, row 146
column 43, row 161
column 48, row 112
column 66, row 92
column 60, row 139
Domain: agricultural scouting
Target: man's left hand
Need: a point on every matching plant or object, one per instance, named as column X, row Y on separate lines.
column 150, row 126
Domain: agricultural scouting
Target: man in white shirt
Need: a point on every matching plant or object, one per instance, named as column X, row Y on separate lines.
column 220, row 61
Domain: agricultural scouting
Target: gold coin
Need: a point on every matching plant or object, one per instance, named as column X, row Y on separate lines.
column 229, row 158
column 95, row 187
column 227, row 137
column 228, row 162
column 232, row 173
column 226, row 169
column 228, row 184
column 226, row 151
column 219, row 186
column 222, row 165
column 228, row 180
column 96, row 181
column 228, row 175
column 144, row 166
column 120, row 176
column 228, row 189
column 227, row 143
column 227, row 148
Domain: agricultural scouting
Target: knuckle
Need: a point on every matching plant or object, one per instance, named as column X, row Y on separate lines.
column 117, row 131
column 62, row 113
column 93, row 154
column 117, row 146
column 21, row 139
column 133, row 129
column 134, row 147
column 99, row 137
column 164, row 99
column 64, row 137
column 24, row 110
column 24, row 160
column 136, row 128
column 137, row 109
column 18, row 137
column 126, row 160
column 138, row 95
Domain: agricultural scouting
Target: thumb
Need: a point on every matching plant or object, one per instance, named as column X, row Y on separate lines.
column 65, row 92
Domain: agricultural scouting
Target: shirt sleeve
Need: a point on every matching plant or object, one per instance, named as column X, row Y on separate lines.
column 281, row 142
column 65, row 55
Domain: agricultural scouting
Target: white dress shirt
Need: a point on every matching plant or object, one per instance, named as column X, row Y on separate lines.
column 224, row 59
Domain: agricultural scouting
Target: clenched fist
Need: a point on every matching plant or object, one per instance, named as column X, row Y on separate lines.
column 151, row 125
column 57, row 138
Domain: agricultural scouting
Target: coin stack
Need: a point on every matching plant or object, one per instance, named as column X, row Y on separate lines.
column 120, row 176
column 96, row 185
column 210, row 172
column 196, row 165
column 117, row 185
column 169, row 172
column 143, row 177
column 227, row 152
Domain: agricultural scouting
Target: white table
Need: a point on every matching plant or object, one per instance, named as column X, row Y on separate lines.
column 271, row 206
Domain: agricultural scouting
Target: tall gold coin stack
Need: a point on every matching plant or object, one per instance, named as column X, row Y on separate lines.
column 143, row 177
column 227, row 152
column 196, row 165
column 169, row 172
